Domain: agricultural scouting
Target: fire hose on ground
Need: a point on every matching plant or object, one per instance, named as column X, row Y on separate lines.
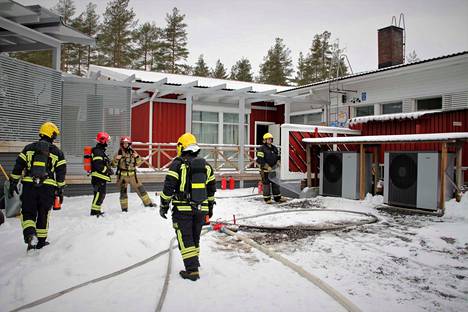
column 224, row 227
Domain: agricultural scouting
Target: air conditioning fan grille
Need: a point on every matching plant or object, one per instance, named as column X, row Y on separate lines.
column 333, row 168
column 403, row 173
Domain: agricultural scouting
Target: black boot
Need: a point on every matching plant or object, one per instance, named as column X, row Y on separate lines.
column 191, row 275
column 96, row 213
column 42, row 243
column 32, row 241
column 150, row 205
column 124, row 209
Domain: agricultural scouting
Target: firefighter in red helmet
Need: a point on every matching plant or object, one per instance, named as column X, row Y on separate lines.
column 126, row 162
column 100, row 172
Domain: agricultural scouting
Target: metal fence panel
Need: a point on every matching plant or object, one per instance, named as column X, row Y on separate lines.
column 29, row 96
column 89, row 107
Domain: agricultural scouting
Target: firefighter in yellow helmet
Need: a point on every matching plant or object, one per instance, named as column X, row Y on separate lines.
column 267, row 159
column 190, row 185
column 41, row 167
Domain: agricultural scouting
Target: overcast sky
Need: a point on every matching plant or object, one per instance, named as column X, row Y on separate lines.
column 232, row 29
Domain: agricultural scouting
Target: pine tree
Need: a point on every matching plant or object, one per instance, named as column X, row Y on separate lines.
column 176, row 39
column 201, row 69
column 66, row 9
column 147, row 39
column 90, row 26
column 115, row 41
column 77, row 52
column 219, row 71
column 323, row 61
column 277, row 65
column 301, row 70
column 43, row 58
column 242, row 70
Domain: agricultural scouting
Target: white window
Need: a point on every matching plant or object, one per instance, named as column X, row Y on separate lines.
column 364, row 111
column 429, row 104
column 205, row 127
column 218, row 128
column 392, row 108
column 306, row 119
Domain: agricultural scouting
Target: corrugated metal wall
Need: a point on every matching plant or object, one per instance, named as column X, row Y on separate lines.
column 29, row 96
column 89, row 107
column 450, row 121
column 168, row 122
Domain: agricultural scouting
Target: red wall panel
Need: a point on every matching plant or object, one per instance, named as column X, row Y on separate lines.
column 140, row 123
column 168, row 122
column 453, row 121
column 276, row 117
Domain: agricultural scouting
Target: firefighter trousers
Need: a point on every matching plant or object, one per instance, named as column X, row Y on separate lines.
column 137, row 186
column 99, row 189
column 36, row 203
column 275, row 189
column 188, row 227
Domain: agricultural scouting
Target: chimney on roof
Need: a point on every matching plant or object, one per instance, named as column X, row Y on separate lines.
column 391, row 46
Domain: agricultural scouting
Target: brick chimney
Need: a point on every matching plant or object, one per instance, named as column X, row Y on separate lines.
column 390, row 46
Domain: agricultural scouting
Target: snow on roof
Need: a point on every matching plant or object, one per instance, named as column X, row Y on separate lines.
column 148, row 76
column 426, row 137
column 376, row 71
column 398, row 116
column 320, row 129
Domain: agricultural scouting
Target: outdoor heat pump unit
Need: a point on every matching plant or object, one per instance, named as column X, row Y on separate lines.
column 412, row 179
column 339, row 174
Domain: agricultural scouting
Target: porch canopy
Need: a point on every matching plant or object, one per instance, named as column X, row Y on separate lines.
column 34, row 28
column 157, row 86
column 456, row 139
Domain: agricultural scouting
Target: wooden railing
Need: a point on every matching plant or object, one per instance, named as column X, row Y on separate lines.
column 222, row 157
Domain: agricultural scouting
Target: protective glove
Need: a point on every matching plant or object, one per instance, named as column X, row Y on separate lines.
column 110, row 171
column 60, row 193
column 13, row 188
column 267, row 167
column 210, row 208
column 163, row 211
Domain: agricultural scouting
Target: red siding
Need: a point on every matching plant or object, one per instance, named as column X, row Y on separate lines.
column 265, row 115
column 433, row 123
column 140, row 123
column 168, row 122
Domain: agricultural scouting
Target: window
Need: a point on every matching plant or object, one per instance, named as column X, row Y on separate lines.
column 428, row 104
column 392, row 108
column 205, row 126
column 231, row 128
column 364, row 111
column 306, row 119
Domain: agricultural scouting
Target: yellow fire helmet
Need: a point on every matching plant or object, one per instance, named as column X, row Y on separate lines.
column 267, row 136
column 49, row 129
column 187, row 142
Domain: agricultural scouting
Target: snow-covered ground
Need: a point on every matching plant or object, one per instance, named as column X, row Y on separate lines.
column 401, row 263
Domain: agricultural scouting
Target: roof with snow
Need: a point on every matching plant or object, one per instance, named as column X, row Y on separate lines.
column 157, row 85
column 380, row 70
column 175, row 79
column 385, row 117
column 387, row 139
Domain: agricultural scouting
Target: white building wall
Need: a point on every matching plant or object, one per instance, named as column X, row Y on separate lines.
column 447, row 78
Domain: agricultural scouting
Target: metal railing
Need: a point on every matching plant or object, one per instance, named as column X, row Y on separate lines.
column 222, row 157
